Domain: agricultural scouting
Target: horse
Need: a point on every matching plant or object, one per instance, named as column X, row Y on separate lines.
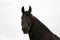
column 35, row 28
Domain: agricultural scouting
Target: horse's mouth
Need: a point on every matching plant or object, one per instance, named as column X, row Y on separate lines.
column 25, row 31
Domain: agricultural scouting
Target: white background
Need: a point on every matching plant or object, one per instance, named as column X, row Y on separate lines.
column 47, row 11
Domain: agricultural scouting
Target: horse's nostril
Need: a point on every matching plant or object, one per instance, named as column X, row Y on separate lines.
column 24, row 29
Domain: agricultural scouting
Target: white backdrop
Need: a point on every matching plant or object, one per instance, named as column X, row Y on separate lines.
column 47, row 11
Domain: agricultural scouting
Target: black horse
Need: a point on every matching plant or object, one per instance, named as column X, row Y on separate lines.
column 36, row 29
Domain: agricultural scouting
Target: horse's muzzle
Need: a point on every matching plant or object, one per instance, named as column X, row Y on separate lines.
column 25, row 31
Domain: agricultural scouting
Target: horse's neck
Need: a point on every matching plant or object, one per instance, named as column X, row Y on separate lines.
column 43, row 26
column 39, row 24
column 38, row 30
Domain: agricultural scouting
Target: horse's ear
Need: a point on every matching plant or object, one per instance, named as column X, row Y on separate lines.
column 22, row 9
column 30, row 9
